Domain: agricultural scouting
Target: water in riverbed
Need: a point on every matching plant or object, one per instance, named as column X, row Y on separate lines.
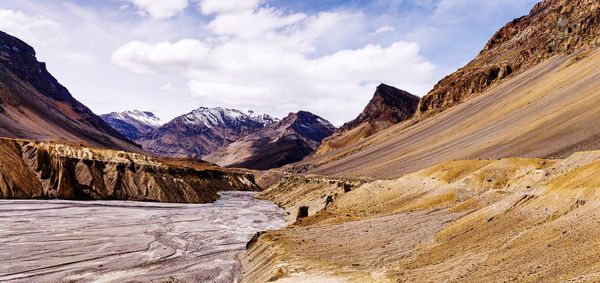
column 101, row 241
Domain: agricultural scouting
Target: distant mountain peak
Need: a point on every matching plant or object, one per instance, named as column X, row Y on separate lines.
column 290, row 140
column 134, row 123
column 219, row 116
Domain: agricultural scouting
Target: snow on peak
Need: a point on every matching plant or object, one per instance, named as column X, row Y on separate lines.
column 264, row 119
column 325, row 123
column 140, row 117
column 219, row 116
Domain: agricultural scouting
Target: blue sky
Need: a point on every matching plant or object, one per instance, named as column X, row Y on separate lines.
column 272, row 56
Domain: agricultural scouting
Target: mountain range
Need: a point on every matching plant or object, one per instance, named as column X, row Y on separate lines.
column 290, row 140
column 227, row 137
column 201, row 132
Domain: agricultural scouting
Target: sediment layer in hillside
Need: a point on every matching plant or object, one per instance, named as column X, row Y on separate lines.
column 42, row 170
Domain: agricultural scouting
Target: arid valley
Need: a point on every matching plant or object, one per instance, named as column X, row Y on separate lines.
column 300, row 141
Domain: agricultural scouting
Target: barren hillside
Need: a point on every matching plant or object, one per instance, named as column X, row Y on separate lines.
column 517, row 219
column 548, row 111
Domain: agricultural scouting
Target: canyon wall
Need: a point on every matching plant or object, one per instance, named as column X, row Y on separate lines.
column 42, row 170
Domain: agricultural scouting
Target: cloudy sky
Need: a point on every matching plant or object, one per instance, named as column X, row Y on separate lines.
column 272, row 56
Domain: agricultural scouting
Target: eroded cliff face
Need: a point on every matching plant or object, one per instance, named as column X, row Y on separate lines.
column 41, row 170
column 303, row 196
column 554, row 27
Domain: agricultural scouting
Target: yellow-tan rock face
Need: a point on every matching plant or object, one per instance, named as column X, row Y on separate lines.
column 42, row 170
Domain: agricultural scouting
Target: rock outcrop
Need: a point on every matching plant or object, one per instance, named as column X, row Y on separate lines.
column 290, row 140
column 42, row 170
column 202, row 131
column 554, row 27
column 389, row 106
column 33, row 105
column 132, row 124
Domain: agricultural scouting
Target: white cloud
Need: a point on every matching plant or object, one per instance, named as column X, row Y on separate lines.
column 26, row 27
column 140, row 57
column 168, row 87
column 321, row 60
column 336, row 86
column 276, row 64
column 161, row 9
column 225, row 6
column 383, row 29
column 251, row 24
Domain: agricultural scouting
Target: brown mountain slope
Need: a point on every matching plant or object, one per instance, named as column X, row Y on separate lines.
column 554, row 27
column 34, row 105
column 544, row 110
column 389, row 106
column 509, row 220
column 289, row 140
column 548, row 111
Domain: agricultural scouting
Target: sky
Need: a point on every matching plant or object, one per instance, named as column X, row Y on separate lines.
column 269, row 56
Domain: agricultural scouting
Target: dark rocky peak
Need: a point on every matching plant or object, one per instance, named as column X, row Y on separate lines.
column 308, row 125
column 388, row 103
column 20, row 59
column 33, row 97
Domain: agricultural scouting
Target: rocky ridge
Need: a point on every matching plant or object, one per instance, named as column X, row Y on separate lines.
column 202, row 131
column 389, row 106
column 553, row 27
column 34, row 105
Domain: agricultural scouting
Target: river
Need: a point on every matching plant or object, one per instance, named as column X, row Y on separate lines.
column 120, row 241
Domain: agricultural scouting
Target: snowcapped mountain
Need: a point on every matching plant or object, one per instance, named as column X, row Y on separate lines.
column 203, row 131
column 132, row 124
column 289, row 140
column 219, row 117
